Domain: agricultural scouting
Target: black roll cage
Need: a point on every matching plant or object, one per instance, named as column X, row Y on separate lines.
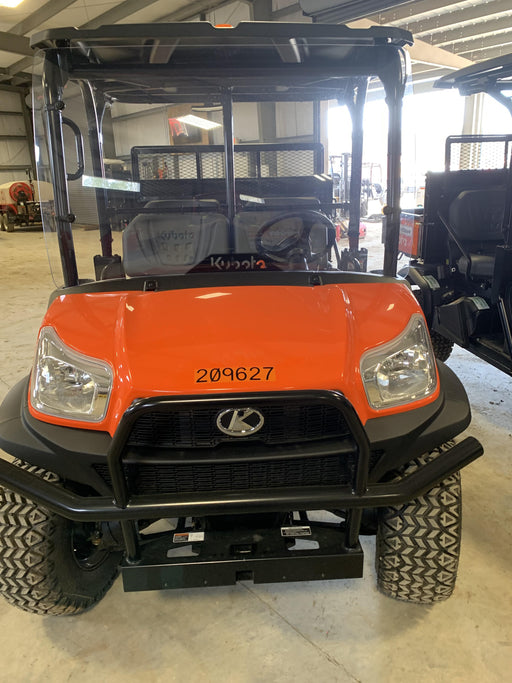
column 493, row 77
column 177, row 62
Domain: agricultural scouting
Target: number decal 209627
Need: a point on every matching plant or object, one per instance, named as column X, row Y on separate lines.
column 255, row 373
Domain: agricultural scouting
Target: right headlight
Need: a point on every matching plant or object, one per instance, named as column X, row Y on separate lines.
column 401, row 371
column 68, row 384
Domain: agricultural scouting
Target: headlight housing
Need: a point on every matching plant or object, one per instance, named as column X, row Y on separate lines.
column 401, row 371
column 66, row 383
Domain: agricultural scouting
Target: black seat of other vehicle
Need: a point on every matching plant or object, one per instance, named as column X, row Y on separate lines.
column 172, row 242
column 476, row 218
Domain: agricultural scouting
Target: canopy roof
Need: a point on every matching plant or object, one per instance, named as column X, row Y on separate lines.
column 482, row 77
column 280, row 61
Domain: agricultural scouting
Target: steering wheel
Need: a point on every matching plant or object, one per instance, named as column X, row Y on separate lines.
column 296, row 248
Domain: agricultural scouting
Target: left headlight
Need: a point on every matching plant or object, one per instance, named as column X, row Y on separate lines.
column 66, row 383
column 401, row 371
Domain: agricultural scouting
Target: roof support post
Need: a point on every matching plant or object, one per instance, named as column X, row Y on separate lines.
column 356, row 109
column 53, row 105
column 394, row 87
column 229, row 160
column 95, row 110
column 473, row 109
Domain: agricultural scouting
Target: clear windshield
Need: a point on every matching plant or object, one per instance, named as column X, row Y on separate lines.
column 154, row 187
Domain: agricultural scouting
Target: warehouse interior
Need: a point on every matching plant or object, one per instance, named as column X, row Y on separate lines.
column 341, row 630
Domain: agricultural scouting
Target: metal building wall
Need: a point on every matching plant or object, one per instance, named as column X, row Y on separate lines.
column 15, row 140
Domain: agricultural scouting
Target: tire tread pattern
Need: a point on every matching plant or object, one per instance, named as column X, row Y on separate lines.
column 28, row 576
column 418, row 543
column 442, row 346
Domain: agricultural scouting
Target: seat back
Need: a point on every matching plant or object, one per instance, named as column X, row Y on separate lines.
column 167, row 243
column 476, row 218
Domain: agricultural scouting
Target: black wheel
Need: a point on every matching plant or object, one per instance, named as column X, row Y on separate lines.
column 418, row 543
column 441, row 345
column 7, row 224
column 48, row 564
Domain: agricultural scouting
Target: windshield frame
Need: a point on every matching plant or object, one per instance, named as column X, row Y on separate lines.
column 342, row 61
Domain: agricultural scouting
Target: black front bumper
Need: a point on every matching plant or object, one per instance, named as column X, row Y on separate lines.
column 383, row 446
column 103, row 508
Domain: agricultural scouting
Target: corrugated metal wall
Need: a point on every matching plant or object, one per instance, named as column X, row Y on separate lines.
column 15, row 140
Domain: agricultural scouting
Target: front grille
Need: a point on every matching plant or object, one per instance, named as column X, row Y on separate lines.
column 329, row 470
column 196, row 427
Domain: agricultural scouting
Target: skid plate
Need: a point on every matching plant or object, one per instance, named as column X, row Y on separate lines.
column 226, row 557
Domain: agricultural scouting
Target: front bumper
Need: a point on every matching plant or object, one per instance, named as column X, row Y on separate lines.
column 382, row 446
column 103, row 508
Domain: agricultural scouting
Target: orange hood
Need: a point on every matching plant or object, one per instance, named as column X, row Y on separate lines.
column 173, row 342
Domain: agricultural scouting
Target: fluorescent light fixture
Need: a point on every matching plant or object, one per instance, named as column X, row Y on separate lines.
column 110, row 184
column 199, row 122
column 10, row 3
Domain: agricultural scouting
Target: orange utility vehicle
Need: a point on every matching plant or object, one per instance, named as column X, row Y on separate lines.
column 220, row 395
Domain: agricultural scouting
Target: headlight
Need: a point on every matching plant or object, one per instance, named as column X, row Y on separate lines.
column 402, row 370
column 67, row 384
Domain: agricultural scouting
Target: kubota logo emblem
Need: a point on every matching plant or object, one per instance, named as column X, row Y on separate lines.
column 240, row 421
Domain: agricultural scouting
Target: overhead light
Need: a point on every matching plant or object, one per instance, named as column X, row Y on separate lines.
column 199, row 122
column 10, row 3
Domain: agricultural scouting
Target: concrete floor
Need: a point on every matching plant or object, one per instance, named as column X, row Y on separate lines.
column 321, row 631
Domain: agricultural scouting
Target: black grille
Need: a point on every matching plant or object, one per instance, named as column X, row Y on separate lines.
column 196, row 428
column 330, row 470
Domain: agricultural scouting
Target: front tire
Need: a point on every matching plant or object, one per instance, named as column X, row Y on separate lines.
column 418, row 543
column 48, row 564
column 441, row 345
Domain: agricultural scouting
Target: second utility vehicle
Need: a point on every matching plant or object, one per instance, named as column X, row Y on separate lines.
column 462, row 273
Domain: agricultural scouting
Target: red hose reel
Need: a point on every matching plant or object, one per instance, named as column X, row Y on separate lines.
column 21, row 192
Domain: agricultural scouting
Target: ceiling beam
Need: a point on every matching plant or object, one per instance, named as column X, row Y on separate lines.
column 22, row 78
column 493, row 40
column 332, row 12
column 459, row 16
column 45, row 12
column 279, row 14
column 430, row 76
column 424, row 52
column 110, row 16
column 490, row 52
column 117, row 13
column 15, row 68
column 404, row 13
column 477, row 29
column 10, row 42
column 193, row 9
column 422, row 68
